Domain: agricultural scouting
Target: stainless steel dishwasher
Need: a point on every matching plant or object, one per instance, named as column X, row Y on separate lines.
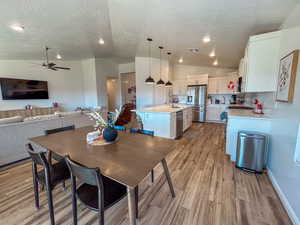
column 179, row 124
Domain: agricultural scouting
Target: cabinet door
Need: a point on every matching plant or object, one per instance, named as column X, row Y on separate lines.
column 180, row 87
column 262, row 63
column 212, row 113
column 212, row 86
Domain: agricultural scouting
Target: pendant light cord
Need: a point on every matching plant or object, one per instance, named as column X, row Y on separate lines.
column 160, row 62
column 149, row 51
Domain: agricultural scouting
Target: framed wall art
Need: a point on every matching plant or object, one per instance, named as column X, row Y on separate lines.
column 287, row 77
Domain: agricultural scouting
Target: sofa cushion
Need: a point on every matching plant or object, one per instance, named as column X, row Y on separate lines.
column 14, row 119
column 43, row 117
column 72, row 113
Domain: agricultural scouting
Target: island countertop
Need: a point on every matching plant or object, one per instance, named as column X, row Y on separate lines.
column 245, row 113
column 163, row 108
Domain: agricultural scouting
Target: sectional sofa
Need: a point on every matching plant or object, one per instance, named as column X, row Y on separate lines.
column 15, row 133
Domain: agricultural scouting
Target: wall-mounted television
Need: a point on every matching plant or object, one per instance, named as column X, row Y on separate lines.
column 17, row 89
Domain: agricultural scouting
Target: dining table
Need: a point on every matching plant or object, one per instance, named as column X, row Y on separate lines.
column 128, row 160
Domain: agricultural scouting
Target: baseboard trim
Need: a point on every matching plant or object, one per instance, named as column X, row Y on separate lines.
column 295, row 220
column 5, row 166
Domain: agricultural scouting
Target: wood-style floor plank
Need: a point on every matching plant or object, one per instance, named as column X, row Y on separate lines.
column 209, row 191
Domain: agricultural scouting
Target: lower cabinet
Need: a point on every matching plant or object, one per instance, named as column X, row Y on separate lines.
column 187, row 118
column 213, row 112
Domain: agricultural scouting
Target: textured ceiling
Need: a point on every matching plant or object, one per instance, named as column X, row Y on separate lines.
column 73, row 27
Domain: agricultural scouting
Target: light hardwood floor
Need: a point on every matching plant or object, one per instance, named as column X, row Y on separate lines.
column 209, row 191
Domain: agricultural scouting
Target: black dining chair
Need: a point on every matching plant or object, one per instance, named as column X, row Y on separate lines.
column 120, row 128
column 96, row 192
column 49, row 176
column 53, row 131
column 136, row 190
column 146, row 132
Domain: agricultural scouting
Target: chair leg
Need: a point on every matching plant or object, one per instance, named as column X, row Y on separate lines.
column 101, row 217
column 50, row 204
column 64, row 185
column 152, row 176
column 136, row 193
column 74, row 201
column 36, row 193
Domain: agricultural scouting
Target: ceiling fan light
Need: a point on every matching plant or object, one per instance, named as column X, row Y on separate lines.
column 58, row 56
column 149, row 80
column 160, row 82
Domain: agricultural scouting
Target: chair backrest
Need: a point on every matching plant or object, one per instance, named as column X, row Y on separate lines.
column 61, row 129
column 146, row 132
column 87, row 175
column 38, row 158
column 122, row 128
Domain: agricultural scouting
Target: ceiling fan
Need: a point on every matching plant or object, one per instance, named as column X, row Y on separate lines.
column 51, row 65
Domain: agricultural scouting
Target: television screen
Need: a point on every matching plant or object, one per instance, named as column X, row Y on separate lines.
column 15, row 89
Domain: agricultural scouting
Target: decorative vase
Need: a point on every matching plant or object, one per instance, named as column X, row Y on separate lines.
column 110, row 134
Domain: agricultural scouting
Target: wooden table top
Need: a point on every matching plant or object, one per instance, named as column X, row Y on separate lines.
column 127, row 161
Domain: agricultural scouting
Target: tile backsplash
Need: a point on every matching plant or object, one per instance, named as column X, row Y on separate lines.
column 266, row 98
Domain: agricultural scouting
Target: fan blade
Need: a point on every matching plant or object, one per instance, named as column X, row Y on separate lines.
column 51, row 64
column 52, row 68
column 62, row 68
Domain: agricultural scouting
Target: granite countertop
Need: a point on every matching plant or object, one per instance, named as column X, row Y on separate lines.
column 246, row 113
column 163, row 109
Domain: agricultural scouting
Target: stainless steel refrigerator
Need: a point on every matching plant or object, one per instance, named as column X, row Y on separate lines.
column 196, row 96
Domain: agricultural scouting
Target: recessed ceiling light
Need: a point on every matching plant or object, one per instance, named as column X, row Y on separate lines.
column 212, row 54
column 206, row 39
column 194, row 50
column 17, row 27
column 216, row 62
column 58, row 56
column 180, row 60
column 101, row 41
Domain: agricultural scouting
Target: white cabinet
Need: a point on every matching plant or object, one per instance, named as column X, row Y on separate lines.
column 213, row 112
column 213, row 86
column 261, row 62
column 180, row 87
column 197, row 79
column 219, row 85
column 187, row 118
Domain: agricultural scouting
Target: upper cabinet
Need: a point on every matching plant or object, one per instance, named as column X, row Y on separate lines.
column 260, row 65
column 180, row 87
column 219, row 85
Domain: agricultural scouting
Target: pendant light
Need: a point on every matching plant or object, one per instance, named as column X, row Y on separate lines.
column 160, row 82
column 149, row 80
column 169, row 84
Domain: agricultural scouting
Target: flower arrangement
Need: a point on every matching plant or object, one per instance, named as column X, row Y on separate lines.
column 102, row 123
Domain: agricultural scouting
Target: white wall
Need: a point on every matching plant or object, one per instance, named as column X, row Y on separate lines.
column 148, row 95
column 285, row 172
column 89, row 83
column 65, row 87
column 105, row 68
column 127, row 67
column 180, row 72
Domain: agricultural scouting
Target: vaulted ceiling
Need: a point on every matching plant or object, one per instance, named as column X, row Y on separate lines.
column 73, row 27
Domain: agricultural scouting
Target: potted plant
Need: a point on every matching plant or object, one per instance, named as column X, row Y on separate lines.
column 105, row 127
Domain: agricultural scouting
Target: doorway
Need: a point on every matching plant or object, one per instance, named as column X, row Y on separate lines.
column 128, row 88
column 112, row 93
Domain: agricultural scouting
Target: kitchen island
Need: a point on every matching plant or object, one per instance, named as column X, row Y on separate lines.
column 163, row 119
column 244, row 120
